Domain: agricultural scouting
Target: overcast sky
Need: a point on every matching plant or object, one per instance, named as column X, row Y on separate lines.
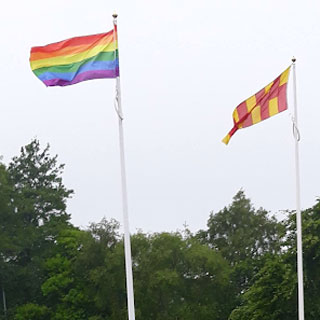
column 185, row 66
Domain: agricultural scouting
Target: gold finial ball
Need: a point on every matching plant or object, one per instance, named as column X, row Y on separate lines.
column 115, row 16
column 293, row 59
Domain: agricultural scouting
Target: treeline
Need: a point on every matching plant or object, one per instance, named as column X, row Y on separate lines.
column 241, row 267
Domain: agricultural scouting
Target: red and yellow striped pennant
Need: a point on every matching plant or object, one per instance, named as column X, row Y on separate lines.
column 269, row 101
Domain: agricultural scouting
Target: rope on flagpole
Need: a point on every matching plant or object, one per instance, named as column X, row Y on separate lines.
column 295, row 130
column 116, row 104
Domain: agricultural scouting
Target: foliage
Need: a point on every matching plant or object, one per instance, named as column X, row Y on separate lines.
column 243, row 266
column 274, row 293
column 32, row 311
column 35, row 200
column 38, row 185
column 240, row 232
column 272, row 296
column 311, row 256
column 244, row 236
column 178, row 278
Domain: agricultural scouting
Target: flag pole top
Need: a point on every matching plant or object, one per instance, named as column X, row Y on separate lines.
column 293, row 59
column 115, row 16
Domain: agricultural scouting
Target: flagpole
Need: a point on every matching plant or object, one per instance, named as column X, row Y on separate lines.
column 127, row 244
column 4, row 303
column 298, row 214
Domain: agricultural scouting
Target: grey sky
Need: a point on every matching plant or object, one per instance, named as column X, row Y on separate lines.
column 185, row 65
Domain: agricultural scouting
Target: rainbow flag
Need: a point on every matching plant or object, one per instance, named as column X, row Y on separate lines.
column 268, row 102
column 77, row 59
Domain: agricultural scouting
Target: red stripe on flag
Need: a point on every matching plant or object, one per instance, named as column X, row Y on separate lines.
column 242, row 110
column 282, row 98
column 260, row 95
column 265, row 111
column 77, row 41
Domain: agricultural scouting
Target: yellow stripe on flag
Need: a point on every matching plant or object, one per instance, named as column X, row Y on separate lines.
column 273, row 106
column 226, row 139
column 251, row 102
column 236, row 118
column 256, row 115
column 268, row 87
column 236, row 115
column 284, row 77
column 62, row 60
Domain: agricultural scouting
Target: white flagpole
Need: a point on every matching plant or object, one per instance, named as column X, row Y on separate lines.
column 4, row 303
column 127, row 244
column 298, row 214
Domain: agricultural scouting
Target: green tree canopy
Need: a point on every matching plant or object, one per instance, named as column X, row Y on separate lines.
column 241, row 232
column 243, row 266
column 35, row 200
column 244, row 236
column 273, row 294
column 39, row 192
column 177, row 278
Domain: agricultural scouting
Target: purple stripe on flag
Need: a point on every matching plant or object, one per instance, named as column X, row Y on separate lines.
column 87, row 75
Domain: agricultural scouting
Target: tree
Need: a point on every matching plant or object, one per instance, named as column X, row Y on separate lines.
column 40, row 193
column 240, row 232
column 101, row 262
column 9, row 243
column 64, row 287
column 242, row 267
column 86, row 276
column 273, row 294
column 179, row 278
column 35, row 215
column 311, row 255
column 244, row 236
column 32, row 311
